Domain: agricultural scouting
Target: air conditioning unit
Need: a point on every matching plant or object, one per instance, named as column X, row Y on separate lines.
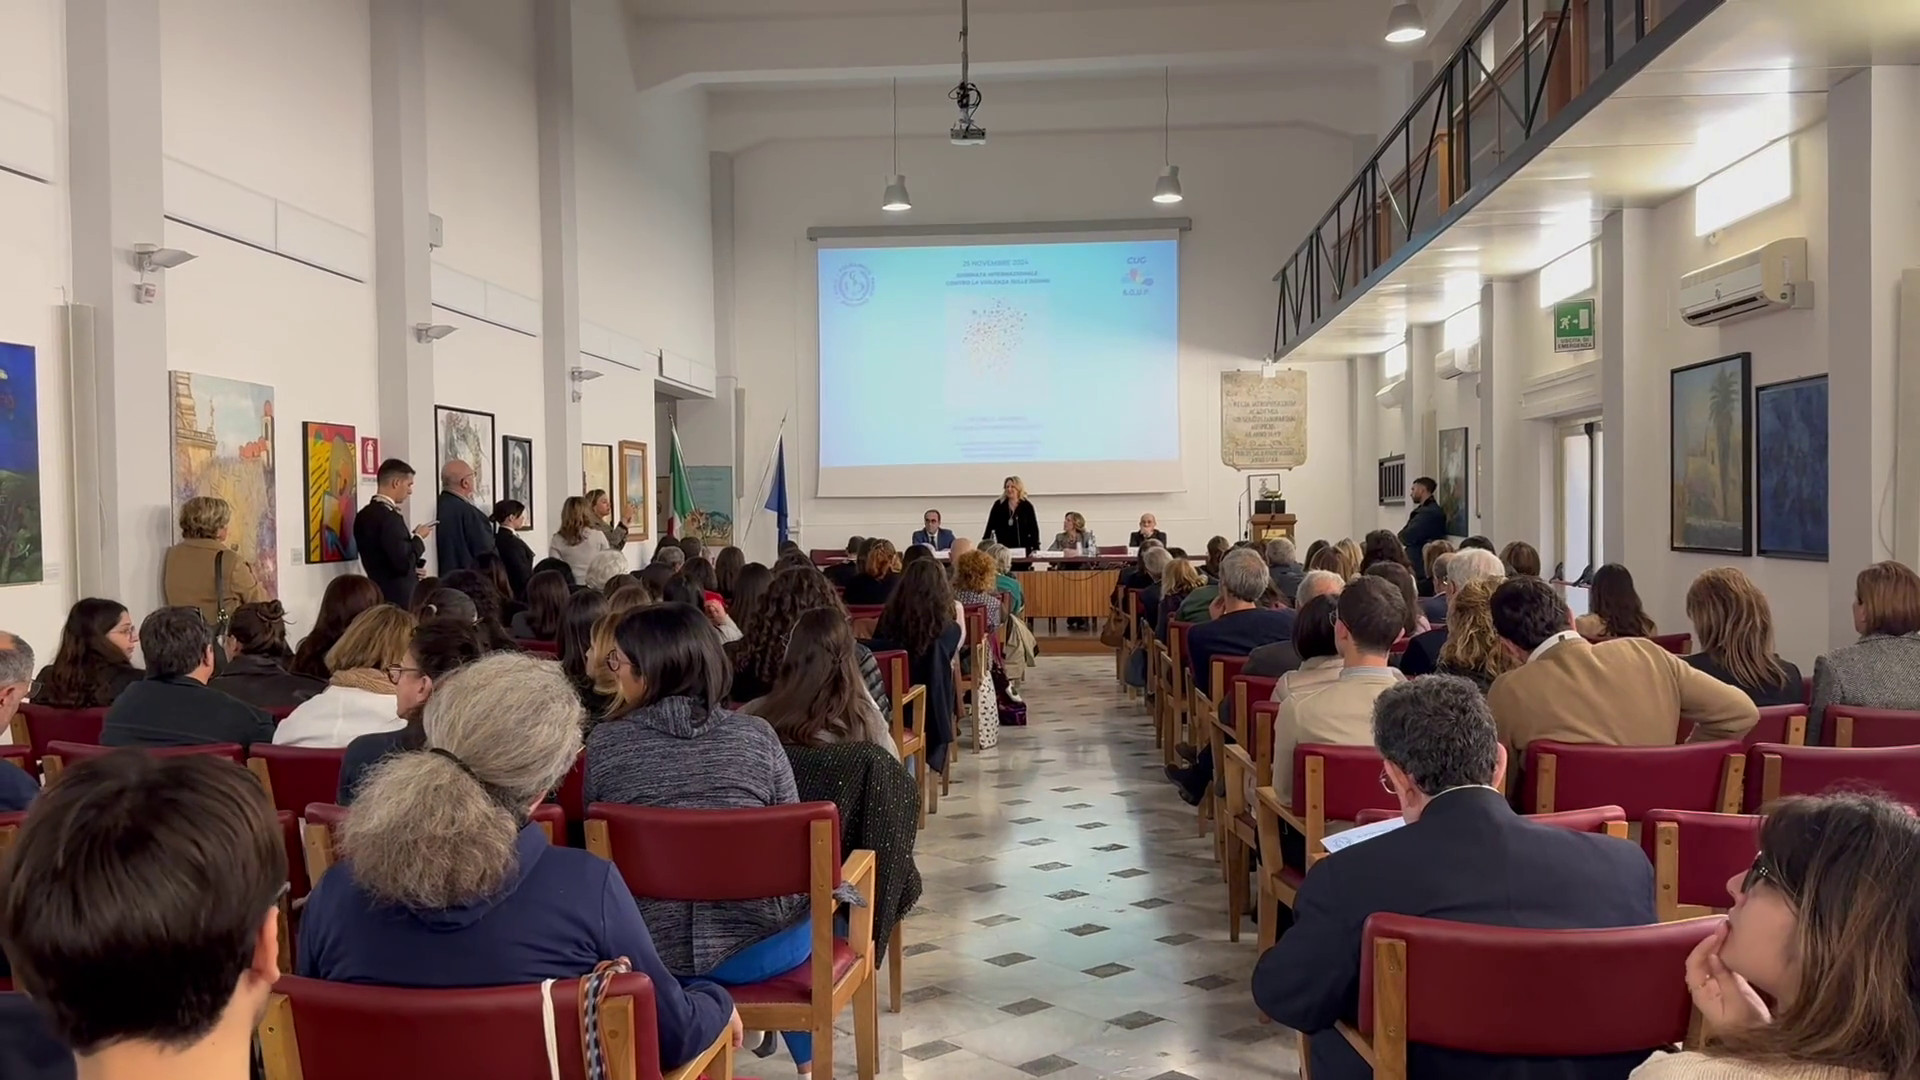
column 1393, row 395
column 1453, row 363
column 1767, row 279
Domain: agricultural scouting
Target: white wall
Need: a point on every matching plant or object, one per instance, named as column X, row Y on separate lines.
column 1252, row 193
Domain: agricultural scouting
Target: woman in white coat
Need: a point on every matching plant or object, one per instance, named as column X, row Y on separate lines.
column 579, row 538
column 361, row 694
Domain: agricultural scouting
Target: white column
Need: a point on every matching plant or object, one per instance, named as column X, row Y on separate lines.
column 1502, row 367
column 559, row 262
column 1423, row 343
column 1363, row 374
column 122, row 480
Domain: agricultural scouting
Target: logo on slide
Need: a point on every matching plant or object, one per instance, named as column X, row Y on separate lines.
column 854, row 285
column 1135, row 282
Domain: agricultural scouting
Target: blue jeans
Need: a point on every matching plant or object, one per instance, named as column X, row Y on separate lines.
column 765, row 959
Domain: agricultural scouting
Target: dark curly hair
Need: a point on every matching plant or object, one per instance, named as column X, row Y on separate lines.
column 486, row 602
column 763, row 644
column 1382, row 546
column 920, row 609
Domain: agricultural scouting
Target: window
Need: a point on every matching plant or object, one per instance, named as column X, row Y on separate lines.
column 1393, row 363
column 1570, row 273
column 1577, row 484
column 1461, row 329
column 1744, row 188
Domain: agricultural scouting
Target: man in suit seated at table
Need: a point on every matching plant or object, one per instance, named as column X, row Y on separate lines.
column 1463, row 855
column 1622, row 692
column 1423, row 652
column 932, row 535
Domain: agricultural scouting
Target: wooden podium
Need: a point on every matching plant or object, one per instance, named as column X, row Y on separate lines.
column 1263, row 527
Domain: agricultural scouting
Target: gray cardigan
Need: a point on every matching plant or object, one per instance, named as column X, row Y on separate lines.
column 1877, row 672
column 677, row 753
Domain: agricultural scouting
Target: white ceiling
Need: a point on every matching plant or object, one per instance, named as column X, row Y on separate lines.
column 788, row 9
column 1751, row 72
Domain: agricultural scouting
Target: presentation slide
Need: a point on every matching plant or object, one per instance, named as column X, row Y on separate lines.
column 945, row 366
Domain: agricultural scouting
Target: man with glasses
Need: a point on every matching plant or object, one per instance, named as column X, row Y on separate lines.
column 931, row 534
column 17, row 789
column 1463, row 855
column 173, row 706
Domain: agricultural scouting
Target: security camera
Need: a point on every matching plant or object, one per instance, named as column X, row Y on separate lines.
column 429, row 332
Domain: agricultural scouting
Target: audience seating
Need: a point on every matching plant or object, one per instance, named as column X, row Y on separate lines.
column 1816, row 770
column 22, row 755
column 1330, row 784
column 1678, row 644
column 1506, row 991
column 281, row 712
column 1691, row 776
column 1717, row 847
column 1854, row 725
column 61, row 754
column 1179, row 688
column 975, row 677
column 299, row 883
column 318, row 1030
column 1777, row 724
column 1243, row 833
column 46, row 725
column 549, row 649
column 1206, row 710
column 771, row 851
column 572, row 796
column 1606, row 820
column 864, row 617
column 9, row 826
column 913, row 753
column 297, row 776
column 325, row 819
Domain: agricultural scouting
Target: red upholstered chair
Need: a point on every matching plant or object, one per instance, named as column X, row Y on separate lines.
column 572, row 795
column 46, row 725
column 324, row 821
column 1180, row 681
column 548, row 649
column 20, row 754
column 1607, row 820
column 865, row 617
column 1717, row 846
column 826, row 556
column 1692, row 776
column 61, row 754
column 318, row 1030
column 1330, row 784
column 1507, row 991
column 906, row 698
column 1852, row 725
column 1678, row 644
column 295, row 776
column 1814, row 770
column 9, row 828
column 1779, row 724
column 1111, row 549
column 770, row 851
column 1215, row 727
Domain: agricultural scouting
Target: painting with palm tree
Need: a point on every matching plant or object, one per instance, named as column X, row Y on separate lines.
column 1712, row 456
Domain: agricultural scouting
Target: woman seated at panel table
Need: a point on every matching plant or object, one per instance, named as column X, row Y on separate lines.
column 1073, row 537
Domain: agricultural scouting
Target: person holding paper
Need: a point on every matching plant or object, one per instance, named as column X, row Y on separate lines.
column 1463, row 855
column 1012, row 521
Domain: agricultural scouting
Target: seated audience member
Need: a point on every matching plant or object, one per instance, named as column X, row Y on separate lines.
column 141, row 914
column 256, row 672
column 516, row 558
column 1317, row 646
column 749, row 592
column 879, row 573
column 447, row 883
column 961, row 546
column 1474, row 651
column 1521, row 559
column 1468, row 564
column 1480, row 542
column 726, row 571
column 579, row 538
column 1177, row 585
column 1613, row 607
column 841, row 574
column 494, row 572
column 1217, row 549
column 1149, row 530
column 1624, row 692
column 93, row 663
column 916, row 553
column 1352, row 554
column 448, row 605
column 1434, row 561
column 1074, row 537
column 1463, row 855
column 1816, row 971
column 1198, row 606
column 1401, row 578
column 1380, row 546
column 423, row 591
column 1313, row 549
column 437, row 650
column 345, row 598
column 558, row 566
column 1882, row 669
column 669, row 555
column 591, row 682
column 672, row 743
column 656, row 575
column 17, row 787
column 360, row 697
column 1371, row 612
column 1239, row 625
column 930, row 534
column 687, row 590
column 1278, row 658
column 819, row 698
column 756, row 657
column 1285, row 570
column 1135, row 575
column 973, row 584
column 790, row 559
column 1153, row 563
column 547, row 595
column 486, row 604
column 189, row 576
column 692, row 547
column 173, row 706
column 1003, row 580
column 606, row 567
column 879, row 804
column 1733, row 625
column 921, row 620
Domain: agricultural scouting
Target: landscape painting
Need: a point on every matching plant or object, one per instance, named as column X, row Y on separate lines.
column 20, row 538
column 1712, row 448
column 518, row 454
column 596, row 468
column 1790, row 444
column 1452, row 477
column 712, row 489
column 222, row 436
column 633, row 490
column 333, row 490
column 466, row 435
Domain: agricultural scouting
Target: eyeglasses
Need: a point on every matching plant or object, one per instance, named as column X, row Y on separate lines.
column 615, row 662
column 394, row 673
column 1762, row 870
column 1386, row 781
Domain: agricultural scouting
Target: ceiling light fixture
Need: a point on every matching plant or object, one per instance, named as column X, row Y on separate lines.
column 896, row 198
column 1167, row 189
column 1404, row 24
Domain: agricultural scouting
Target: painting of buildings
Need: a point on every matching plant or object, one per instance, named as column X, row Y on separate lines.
column 222, row 436
column 1711, row 452
column 20, row 539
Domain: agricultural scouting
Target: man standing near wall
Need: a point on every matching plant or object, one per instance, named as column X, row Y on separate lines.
column 389, row 554
column 1427, row 523
column 464, row 531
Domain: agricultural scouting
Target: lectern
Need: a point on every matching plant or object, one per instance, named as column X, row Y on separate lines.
column 1264, row 527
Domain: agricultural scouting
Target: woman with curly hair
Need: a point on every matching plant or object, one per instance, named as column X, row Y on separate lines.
column 486, row 600
column 756, row 657
column 1383, row 546
column 1474, row 651
column 879, row 573
column 919, row 620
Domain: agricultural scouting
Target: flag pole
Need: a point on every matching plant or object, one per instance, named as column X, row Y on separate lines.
column 766, row 478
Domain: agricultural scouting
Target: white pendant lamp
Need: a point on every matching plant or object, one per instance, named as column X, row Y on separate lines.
column 896, row 198
column 1167, row 189
column 1404, row 24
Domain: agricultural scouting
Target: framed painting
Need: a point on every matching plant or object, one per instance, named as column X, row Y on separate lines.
column 634, row 510
column 221, row 431
column 1712, row 456
column 21, row 546
column 596, row 468
column 333, row 490
column 466, row 435
column 517, row 453
column 1452, row 476
column 1790, row 447
column 712, row 519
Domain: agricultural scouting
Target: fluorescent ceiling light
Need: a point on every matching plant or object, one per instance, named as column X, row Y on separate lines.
column 1461, row 329
column 1744, row 188
column 1570, row 273
column 1393, row 363
column 1404, row 24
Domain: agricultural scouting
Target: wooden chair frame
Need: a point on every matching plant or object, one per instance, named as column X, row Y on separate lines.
column 1839, row 729
column 913, row 745
column 964, row 684
column 1666, row 877
column 1179, row 693
column 1243, row 835
column 1733, row 783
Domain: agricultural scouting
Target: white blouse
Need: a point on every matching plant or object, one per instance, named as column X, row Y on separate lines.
column 579, row 556
column 337, row 715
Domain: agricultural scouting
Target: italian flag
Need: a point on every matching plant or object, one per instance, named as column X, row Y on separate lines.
column 682, row 495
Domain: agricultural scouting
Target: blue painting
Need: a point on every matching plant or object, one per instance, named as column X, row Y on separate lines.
column 1790, row 439
column 20, row 539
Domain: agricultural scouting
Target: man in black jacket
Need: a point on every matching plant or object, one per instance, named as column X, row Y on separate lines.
column 462, row 532
column 1427, row 523
column 173, row 706
column 389, row 554
column 1463, row 855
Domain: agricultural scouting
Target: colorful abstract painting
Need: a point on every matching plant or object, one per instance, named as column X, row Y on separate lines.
column 1711, row 448
column 222, row 435
column 20, row 538
column 1790, row 447
column 712, row 489
column 333, row 490
column 468, row 436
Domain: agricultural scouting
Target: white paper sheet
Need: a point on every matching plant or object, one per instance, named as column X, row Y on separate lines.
column 1343, row 840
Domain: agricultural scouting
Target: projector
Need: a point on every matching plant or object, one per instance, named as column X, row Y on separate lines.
column 967, row 133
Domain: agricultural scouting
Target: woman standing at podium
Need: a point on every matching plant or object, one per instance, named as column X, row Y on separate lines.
column 1012, row 522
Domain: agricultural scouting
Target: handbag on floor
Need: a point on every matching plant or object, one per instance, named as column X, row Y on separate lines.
column 1013, row 712
column 1115, row 632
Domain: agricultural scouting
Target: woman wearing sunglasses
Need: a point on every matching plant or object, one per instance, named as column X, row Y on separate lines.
column 1813, row 974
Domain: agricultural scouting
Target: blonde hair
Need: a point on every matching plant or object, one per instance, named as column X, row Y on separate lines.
column 881, row 560
column 1019, row 486
column 601, row 646
column 1179, row 577
column 631, row 595
column 1073, row 517
column 974, row 572
column 1472, row 643
column 430, row 832
column 1735, row 625
column 576, row 519
column 1351, row 556
column 1889, row 597
column 203, row 516
column 376, row 638
column 604, row 568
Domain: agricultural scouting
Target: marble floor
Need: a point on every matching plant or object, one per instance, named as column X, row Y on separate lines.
column 1073, row 925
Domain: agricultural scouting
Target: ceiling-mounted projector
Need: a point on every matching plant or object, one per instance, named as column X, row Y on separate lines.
column 967, row 133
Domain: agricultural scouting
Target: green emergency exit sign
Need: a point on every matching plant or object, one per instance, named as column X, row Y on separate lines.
column 1573, row 326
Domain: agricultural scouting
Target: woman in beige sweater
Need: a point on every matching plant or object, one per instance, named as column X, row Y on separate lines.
column 1827, row 925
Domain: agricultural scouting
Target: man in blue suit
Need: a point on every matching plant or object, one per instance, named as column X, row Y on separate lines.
column 933, row 535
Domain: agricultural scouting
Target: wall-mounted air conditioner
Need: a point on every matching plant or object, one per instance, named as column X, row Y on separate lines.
column 1767, row 279
column 1393, row 395
column 1453, row 363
